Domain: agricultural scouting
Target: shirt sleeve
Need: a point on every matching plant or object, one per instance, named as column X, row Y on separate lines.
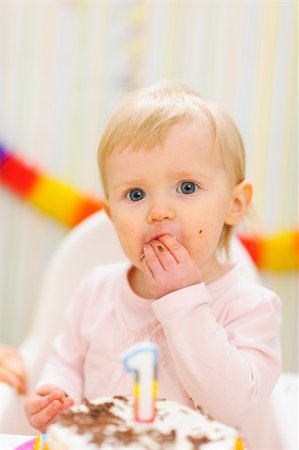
column 64, row 366
column 226, row 366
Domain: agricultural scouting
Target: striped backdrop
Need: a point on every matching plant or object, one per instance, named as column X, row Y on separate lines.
column 64, row 66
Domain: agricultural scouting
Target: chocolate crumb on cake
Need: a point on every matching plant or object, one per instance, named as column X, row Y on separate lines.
column 108, row 423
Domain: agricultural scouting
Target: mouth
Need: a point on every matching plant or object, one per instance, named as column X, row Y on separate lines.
column 154, row 237
column 151, row 239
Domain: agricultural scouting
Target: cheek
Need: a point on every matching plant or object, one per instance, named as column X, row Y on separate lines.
column 202, row 235
column 194, row 234
column 129, row 238
column 209, row 231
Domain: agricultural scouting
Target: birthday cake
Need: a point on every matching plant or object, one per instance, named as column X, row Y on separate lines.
column 108, row 424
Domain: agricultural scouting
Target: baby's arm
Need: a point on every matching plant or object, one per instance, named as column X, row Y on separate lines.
column 227, row 361
column 63, row 368
column 228, row 367
column 12, row 369
column 42, row 407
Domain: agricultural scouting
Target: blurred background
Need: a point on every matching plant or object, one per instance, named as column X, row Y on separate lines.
column 64, row 67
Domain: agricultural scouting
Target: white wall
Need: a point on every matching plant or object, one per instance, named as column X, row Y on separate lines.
column 66, row 64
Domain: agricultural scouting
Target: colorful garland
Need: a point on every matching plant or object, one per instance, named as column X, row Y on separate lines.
column 276, row 253
column 47, row 194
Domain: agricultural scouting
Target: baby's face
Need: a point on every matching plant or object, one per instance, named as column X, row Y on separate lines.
column 179, row 187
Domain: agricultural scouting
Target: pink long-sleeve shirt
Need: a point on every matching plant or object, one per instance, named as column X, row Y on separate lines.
column 219, row 343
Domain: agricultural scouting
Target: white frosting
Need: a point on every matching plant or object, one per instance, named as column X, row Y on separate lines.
column 170, row 416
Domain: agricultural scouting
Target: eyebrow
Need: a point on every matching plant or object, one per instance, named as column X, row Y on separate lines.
column 128, row 183
column 186, row 174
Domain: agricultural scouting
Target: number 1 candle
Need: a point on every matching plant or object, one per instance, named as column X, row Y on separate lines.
column 142, row 359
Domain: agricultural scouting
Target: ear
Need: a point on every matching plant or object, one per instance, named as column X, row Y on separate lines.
column 106, row 207
column 241, row 198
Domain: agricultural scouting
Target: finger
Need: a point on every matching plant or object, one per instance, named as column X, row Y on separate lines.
column 152, row 260
column 8, row 377
column 22, row 385
column 15, row 365
column 22, row 388
column 17, row 368
column 67, row 403
column 12, row 361
column 175, row 247
column 37, row 403
column 145, row 268
column 163, row 254
column 50, row 389
column 46, row 415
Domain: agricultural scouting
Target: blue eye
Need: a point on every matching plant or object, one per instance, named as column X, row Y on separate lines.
column 187, row 187
column 135, row 195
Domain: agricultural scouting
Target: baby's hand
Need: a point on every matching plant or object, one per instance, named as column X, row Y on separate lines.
column 167, row 266
column 12, row 369
column 42, row 407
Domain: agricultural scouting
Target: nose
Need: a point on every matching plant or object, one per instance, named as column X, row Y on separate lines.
column 160, row 211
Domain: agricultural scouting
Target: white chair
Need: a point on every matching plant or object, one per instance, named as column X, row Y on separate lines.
column 92, row 242
column 275, row 426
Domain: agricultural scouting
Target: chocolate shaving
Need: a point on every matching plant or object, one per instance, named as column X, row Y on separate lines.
column 97, row 418
column 184, row 411
column 122, row 398
column 162, row 438
column 204, row 413
column 198, row 441
column 126, row 436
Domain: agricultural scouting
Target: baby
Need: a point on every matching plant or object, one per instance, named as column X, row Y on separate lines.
column 173, row 169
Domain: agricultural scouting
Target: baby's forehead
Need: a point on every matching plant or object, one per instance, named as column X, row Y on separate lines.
column 141, row 140
column 182, row 145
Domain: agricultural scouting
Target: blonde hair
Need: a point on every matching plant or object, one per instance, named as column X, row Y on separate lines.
column 144, row 118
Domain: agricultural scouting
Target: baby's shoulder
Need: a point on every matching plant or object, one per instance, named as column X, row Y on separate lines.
column 244, row 294
column 245, row 286
column 97, row 289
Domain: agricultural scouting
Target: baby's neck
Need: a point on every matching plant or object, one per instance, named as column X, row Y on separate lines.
column 214, row 270
column 138, row 284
